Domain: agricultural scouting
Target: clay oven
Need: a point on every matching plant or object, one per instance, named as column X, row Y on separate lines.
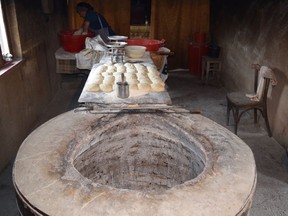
column 134, row 164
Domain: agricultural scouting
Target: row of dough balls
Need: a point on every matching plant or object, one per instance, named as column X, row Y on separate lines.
column 124, row 68
column 139, row 77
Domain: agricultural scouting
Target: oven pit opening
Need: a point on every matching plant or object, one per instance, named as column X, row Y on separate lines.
column 141, row 160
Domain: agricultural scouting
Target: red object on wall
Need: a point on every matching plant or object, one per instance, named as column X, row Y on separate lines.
column 196, row 51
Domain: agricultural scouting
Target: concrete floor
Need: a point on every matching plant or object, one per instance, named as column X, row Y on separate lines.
column 271, row 193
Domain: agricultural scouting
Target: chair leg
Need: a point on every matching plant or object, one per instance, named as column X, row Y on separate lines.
column 236, row 119
column 207, row 72
column 203, row 69
column 265, row 115
column 255, row 115
column 228, row 113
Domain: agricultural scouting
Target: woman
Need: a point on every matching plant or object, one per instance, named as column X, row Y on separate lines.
column 93, row 21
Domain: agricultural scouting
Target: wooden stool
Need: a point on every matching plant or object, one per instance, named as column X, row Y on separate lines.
column 210, row 65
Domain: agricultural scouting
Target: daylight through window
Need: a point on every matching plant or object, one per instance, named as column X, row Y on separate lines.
column 3, row 35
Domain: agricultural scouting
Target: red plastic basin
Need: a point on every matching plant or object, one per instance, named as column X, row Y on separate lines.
column 73, row 43
column 151, row 45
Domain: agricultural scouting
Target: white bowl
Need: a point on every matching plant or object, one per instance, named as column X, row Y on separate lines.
column 117, row 37
column 135, row 51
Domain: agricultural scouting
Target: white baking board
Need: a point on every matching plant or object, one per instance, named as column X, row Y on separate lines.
column 135, row 96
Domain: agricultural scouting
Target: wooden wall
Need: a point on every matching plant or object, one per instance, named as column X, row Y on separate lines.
column 177, row 22
column 28, row 88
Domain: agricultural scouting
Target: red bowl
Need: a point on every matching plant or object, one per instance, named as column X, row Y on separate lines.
column 73, row 43
column 151, row 45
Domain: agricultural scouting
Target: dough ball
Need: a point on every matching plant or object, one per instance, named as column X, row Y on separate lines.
column 138, row 65
column 159, row 82
column 129, row 65
column 98, row 81
column 133, row 87
column 106, row 87
column 130, row 76
column 156, row 79
column 107, row 73
column 100, row 69
column 132, row 81
column 142, row 70
column 108, row 64
column 119, row 64
column 131, row 70
column 117, row 74
column 151, row 68
column 144, row 87
column 115, row 86
column 110, row 70
column 144, row 80
column 111, row 67
column 157, row 87
column 151, row 75
column 93, row 88
column 118, row 78
column 108, row 80
column 95, row 77
column 121, row 69
column 97, row 71
column 142, row 76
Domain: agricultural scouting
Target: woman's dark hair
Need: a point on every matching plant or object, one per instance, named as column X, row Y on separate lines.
column 83, row 6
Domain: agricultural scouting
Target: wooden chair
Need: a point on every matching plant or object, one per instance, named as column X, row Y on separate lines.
column 210, row 66
column 239, row 103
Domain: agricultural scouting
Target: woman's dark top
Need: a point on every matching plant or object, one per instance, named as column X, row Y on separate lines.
column 92, row 17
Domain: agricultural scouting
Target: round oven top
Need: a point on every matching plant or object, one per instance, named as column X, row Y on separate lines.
column 80, row 163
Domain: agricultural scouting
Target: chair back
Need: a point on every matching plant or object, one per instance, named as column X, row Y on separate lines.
column 265, row 78
column 256, row 68
column 267, row 82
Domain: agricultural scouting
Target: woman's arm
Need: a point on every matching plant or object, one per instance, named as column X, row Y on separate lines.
column 85, row 27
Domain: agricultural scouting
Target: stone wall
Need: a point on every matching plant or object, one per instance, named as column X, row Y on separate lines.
column 249, row 32
column 26, row 89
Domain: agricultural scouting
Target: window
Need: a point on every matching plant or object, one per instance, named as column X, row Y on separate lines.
column 3, row 35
